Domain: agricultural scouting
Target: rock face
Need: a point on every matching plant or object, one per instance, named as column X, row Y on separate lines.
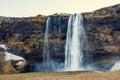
column 6, row 67
column 25, row 36
column 10, row 66
column 103, row 30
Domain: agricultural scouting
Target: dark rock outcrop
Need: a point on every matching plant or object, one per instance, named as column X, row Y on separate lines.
column 10, row 67
column 25, row 36
column 103, row 30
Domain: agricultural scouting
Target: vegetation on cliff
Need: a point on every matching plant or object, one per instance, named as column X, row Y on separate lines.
column 25, row 36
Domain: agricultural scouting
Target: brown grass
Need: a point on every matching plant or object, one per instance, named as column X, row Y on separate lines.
column 63, row 76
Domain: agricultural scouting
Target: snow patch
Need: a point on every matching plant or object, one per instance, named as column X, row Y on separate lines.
column 9, row 56
column 3, row 46
column 20, row 63
column 116, row 67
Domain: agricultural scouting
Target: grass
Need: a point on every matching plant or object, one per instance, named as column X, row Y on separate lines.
column 63, row 76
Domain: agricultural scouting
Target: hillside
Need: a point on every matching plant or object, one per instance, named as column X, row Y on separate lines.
column 25, row 36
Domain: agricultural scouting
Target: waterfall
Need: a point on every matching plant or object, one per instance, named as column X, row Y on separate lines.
column 46, row 56
column 75, row 43
column 51, row 45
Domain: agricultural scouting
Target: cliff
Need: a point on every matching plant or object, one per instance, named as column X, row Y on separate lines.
column 25, row 36
column 103, row 28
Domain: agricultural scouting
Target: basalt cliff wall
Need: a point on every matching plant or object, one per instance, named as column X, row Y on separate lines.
column 25, row 36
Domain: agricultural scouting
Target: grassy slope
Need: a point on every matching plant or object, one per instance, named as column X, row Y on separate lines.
column 64, row 76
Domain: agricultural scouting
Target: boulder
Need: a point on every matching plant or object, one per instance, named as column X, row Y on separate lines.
column 1, row 61
column 8, row 68
column 11, row 66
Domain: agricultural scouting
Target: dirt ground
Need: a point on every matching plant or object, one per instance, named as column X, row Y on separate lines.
column 80, row 75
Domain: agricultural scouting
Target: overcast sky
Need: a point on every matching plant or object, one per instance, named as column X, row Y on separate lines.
column 34, row 7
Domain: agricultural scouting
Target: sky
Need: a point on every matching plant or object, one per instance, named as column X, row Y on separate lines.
column 24, row 8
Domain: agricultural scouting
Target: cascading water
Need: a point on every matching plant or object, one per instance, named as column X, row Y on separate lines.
column 51, row 45
column 75, row 43
column 53, row 26
column 46, row 56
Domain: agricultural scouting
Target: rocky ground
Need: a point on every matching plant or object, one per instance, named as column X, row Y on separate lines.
column 63, row 76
